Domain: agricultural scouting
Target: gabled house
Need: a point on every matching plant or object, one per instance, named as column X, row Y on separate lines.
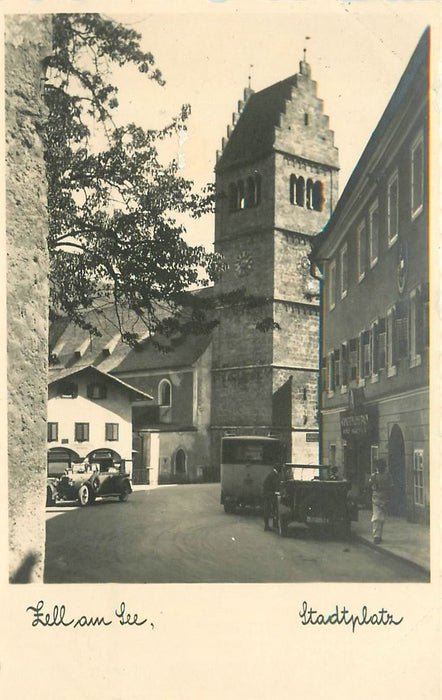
column 90, row 416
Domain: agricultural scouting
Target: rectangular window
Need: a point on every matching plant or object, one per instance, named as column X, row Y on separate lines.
column 364, row 362
column 401, row 329
column 393, row 208
column 52, row 432
column 344, row 366
column 332, row 285
column 417, row 175
column 415, row 358
column 344, row 271
column 391, row 349
column 96, row 391
column 373, row 223
column 337, row 368
column 362, row 248
column 381, row 338
column 67, row 390
column 81, row 432
column 374, row 350
column 422, row 319
column 330, row 374
column 418, row 463
column 112, row 431
column 353, row 359
column 324, row 379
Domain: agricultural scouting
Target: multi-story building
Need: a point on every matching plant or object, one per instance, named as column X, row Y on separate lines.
column 373, row 260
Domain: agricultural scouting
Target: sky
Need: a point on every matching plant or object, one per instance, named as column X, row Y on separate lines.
column 357, row 52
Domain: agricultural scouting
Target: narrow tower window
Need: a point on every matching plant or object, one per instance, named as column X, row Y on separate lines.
column 309, row 194
column 318, row 196
column 300, row 191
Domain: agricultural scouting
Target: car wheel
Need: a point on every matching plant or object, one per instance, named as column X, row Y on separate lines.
column 229, row 508
column 124, row 495
column 84, row 495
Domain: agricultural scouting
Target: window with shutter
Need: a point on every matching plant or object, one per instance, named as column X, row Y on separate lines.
column 401, row 329
column 391, row 342
column 337, row 368
column 344, row 365
column 381, row 343
column 353, row 359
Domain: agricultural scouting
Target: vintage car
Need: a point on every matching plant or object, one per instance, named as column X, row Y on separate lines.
column 84, row 483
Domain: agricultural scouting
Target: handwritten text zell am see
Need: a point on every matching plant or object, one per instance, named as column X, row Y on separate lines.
column 59, row 618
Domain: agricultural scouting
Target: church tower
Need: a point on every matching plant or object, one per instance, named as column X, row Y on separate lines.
column 276, row 186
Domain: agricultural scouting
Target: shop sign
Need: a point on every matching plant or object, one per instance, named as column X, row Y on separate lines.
column 354, row 425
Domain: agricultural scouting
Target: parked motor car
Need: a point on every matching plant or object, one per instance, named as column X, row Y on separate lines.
column 84, row 483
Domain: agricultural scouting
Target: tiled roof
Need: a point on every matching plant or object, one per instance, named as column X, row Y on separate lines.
column 58, row 375
column 254, row 134
column 74, row 348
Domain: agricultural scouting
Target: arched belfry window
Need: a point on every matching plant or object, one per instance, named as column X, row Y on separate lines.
column 245, row 195
column 300, row 191
column 241, row 196
column 292, row 189
column 309, row 194
column 318, row 196
column 165, row 393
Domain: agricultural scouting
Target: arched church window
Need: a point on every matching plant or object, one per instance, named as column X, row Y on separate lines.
column 318, row 196
column 241, row 196
column 180, row 462
column 165, row 393
column 309, row 194
column 300, row 191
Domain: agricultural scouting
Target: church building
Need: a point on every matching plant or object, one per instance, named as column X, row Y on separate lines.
column 276, row 188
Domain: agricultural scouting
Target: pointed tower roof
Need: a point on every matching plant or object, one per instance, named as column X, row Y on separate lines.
column 258, row 126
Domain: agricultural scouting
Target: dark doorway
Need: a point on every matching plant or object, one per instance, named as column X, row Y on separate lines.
column 396, row 461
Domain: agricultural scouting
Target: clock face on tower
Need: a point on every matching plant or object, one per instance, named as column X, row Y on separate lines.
column 304, row 265
column 243, row 263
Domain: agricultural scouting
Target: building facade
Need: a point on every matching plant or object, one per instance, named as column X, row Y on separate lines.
column 373, row 260
column 90, row 416
column 276, row 185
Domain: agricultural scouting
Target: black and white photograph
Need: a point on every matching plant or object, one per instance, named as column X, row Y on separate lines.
column 221, row 322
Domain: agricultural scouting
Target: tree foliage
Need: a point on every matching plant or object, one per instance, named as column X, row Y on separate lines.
column 115, row 209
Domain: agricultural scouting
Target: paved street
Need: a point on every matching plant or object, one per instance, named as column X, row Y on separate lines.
column 180, row 534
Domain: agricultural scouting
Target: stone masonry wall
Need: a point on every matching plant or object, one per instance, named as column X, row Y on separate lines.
column 27, row 42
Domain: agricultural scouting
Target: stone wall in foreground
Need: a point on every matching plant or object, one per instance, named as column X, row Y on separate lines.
column 27, row 42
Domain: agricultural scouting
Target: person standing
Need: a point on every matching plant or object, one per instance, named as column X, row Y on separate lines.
column 380, row 482
column 269, row 487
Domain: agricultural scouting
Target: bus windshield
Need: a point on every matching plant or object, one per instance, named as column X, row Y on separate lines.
column 237, row 451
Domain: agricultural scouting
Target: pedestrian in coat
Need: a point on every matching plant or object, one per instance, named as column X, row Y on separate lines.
column 380, row 482
column 269, row 488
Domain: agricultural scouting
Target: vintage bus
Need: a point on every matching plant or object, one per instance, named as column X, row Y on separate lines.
column 245, row 462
